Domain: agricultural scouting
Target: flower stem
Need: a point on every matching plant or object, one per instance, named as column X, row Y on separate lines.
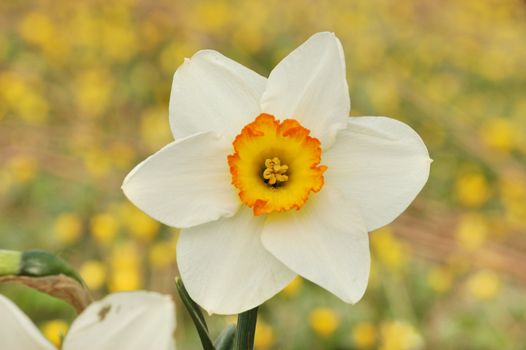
column 246, row 330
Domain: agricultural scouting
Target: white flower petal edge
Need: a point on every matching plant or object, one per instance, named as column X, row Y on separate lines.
column 380, row 164
column 310, row 85
column 211, row 92
column 132, row 321
column 186, row 183
column 326, row 242
column 224, row 266
column 17, row 332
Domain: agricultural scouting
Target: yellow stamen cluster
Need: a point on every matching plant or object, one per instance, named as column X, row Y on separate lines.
column 274, row 172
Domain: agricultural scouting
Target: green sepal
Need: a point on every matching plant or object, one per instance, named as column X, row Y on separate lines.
column 196, row 315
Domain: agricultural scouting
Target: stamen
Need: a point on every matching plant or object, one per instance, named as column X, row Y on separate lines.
column 274, row 172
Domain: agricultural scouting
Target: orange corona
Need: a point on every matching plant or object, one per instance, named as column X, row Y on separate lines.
column 275, row 165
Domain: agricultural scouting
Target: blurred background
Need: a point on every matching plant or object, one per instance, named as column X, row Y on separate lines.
column 84, row 89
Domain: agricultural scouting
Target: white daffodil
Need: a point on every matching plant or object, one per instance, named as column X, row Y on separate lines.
column 269, row 178
column 131, row 321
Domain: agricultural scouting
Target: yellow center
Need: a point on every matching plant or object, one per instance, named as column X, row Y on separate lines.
column 275, row 165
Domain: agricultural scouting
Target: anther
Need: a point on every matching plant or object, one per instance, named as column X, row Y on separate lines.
column 274, row 172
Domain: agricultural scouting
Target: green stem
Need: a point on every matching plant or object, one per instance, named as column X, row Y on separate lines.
column 9, row 262
column 246, row 330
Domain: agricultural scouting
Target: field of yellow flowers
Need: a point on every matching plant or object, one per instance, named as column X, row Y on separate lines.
column 84, row 89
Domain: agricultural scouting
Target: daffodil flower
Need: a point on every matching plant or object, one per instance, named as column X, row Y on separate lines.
column 270, row 178
column 131, row 321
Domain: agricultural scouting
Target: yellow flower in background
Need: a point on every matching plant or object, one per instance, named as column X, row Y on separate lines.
column 97, row 161
column 293, row 288
column 125, row 256
column 440, row 279
column 499, row 134
column 55, row 331
column 484, row 285
column 23, row 168
column 119, row 40
column 104, row 228
column 324, row 321
column 364, row 335
column 389, row 251
column 162, row 254
column 123, row 280
column 126, row 272
column 41, row 30
column 150, row 34
column 264, row 338
column 173, row 54
column 67, row 228
column 512, row 186
column 516, row 214
column 93, row 90
column 399, row 335
column 22, row 95
column 250, row 37
column 212, row 15
column 472, row 189
column 138, row 224
column 472, row 231
column 154, row 128
column 94, row 273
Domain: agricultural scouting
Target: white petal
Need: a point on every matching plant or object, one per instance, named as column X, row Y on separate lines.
column 380, row 164
column 310, row 85
column 224, row 266
column 213, row 93
column 325, row 241
column 17, row 332
column 186, row 183
column 131, row 321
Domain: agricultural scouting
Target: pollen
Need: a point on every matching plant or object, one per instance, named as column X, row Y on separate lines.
column 275, row 173
column 275, row 165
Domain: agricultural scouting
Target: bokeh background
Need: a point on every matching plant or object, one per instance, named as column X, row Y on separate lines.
column 84, row 89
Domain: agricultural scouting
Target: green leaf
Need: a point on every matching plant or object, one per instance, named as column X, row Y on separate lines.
column 225, row 341
column 196, row 315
